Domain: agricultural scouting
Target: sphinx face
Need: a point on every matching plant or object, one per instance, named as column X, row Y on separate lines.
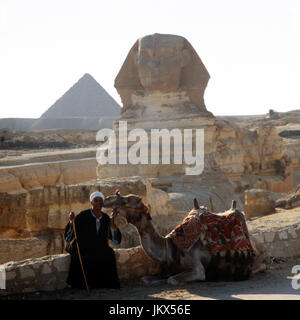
column 159, row 62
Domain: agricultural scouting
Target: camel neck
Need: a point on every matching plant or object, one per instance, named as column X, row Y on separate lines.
column 153, row 243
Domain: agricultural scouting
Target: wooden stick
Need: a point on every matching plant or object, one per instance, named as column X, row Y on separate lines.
column 211, row 204
column 167, row 252
column 86, row 284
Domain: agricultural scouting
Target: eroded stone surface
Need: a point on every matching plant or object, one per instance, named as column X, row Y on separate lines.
column 158, row 64
column 258, row 202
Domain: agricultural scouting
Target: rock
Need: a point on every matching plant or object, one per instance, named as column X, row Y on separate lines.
column 159, row 202
column 289, row 201
column 258, row 202
column 293, row 201
column 26, row 177
column 272, row 115
column 134, row 263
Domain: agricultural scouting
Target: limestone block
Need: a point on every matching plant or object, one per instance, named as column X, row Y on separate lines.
column 292, row 232
column 81, row 171
column 10, row 275
column 47, row 175
column 28, row 177
column 12, row 210
column 45, row 277
column 134, row 263
column 61, row 263
column 269, row 236
column 57, row 218
column 34, row 247
column 283, row 235
column 46, row 269
column 27, row 272
column 10, row 182
column 258, row 202
column 22, row 177
column 36, row 219
column 158, row 201
column 257, row 237
column 297, row 230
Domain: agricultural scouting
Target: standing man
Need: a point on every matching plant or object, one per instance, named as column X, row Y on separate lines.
column 93, row 229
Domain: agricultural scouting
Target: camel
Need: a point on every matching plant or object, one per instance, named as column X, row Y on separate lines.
column 182, row 266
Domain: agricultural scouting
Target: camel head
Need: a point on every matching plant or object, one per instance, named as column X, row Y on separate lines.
column 131, row 207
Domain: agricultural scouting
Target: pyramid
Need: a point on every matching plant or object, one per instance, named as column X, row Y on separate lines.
column 86, row 106
column 86, row 98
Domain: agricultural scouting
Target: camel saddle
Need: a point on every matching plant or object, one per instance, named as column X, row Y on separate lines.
column 220, row 232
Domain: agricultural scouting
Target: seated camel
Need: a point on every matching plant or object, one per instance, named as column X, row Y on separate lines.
column 212, row 254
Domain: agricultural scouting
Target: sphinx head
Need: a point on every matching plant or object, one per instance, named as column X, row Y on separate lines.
column 164, row 63
column 159, row 62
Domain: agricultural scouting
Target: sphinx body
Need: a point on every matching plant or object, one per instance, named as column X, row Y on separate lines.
column 161, row 84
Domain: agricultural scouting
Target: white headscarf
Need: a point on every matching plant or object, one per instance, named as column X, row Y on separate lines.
column 95, row 195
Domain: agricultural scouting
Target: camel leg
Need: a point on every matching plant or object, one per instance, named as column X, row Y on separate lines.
column 197, row 273
column 153, row 280
column 259, row 265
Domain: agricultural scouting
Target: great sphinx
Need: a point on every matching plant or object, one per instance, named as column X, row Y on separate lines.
column 161, row 84
column 162, row 71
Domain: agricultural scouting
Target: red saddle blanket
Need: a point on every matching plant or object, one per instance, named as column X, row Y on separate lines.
column 220, row 232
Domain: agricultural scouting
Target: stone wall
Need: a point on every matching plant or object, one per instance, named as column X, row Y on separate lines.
column 24, row 178
column 257, row 158
column 41, row 214
column 283, row 242
column 47, row 208
column 258, row 202
column 34, row 247
column 49, row 273
column 41, row 274
column 260, row 154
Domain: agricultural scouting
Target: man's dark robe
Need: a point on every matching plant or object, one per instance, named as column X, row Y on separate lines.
column 97, row 257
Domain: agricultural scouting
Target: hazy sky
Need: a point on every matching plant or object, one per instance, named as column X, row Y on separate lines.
column 251, row 48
